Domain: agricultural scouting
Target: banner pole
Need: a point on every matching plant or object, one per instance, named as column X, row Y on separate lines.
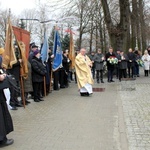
column 22, row 92
column 44, row 86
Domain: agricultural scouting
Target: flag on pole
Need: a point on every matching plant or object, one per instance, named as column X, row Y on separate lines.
column 71, row 54
column 24, row 64
column 57, row 51
column 24, row 36
column 9, row 57
column 44, row 50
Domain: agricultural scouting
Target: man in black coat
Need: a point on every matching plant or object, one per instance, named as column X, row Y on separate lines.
column 6, row 125
column 15, row 70
column 38, row 73
column 122, row 65
column 110, row 67
column 131, row 63
column 66, row 63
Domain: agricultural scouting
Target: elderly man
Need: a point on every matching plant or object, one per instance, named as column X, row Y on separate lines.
column 83, row 66
column 99, row 65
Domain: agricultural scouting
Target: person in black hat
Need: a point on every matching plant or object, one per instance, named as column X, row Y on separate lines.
column 38, row 73
column 33, row 48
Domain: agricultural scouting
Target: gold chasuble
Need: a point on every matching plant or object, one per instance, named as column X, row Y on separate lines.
column 83, row 70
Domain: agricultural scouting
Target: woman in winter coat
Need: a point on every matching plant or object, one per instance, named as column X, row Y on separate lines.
column 38, row 73
column 146, row 60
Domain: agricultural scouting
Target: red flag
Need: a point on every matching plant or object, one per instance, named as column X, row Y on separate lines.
column 24, row 36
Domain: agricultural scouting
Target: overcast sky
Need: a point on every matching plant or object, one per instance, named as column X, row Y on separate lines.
column 18, row 5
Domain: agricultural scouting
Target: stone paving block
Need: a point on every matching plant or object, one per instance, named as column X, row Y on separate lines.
column 128, row 84
column 67, row 121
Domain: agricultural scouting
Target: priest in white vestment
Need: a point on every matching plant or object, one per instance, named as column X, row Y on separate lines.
column 83, row 66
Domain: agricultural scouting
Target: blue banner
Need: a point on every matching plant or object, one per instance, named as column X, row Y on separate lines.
column 44, row 50
column 57, row 51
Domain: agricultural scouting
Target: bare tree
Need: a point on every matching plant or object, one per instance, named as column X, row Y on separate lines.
column 4, row 14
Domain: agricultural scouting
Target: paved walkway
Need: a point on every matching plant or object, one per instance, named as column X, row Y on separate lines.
column 110, row 120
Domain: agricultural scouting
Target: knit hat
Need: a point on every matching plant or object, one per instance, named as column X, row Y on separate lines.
column 1, row 51
column 34, row 46
column 36, row 52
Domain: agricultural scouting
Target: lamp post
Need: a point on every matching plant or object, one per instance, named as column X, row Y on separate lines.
column 22, row 24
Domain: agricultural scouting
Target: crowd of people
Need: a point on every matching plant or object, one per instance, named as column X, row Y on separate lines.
column 119, row 63
column 41, row 80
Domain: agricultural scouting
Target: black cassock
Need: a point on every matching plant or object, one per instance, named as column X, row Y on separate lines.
column 6, row 125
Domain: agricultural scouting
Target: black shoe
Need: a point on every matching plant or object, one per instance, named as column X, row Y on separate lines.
column 56, row 89
column 27, row 102
column 13, row 108
column 40, row 99
column 87, row 94
column 102, row 81
column 7, row 143
column 19, row 105
column 84, row 94
column 31, row 97
column 23, row 103
column 97, row 81
column 112, row 81
column 36, row 100
column 62, row 86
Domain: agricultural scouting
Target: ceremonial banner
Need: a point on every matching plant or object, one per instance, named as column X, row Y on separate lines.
column 71, row 52
column 57, row 51
column 44, row 50
column 9, row 57
column 24, row 64
column 24, row 36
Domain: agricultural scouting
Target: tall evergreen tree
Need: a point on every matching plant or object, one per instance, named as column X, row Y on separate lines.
column 51, row 39
column 65, row 42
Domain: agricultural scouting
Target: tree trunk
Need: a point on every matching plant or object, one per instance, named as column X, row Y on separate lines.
column 142, row 22
column 91, row 35
column 118, row 34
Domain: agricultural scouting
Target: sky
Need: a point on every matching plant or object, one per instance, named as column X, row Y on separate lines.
column 17, row 6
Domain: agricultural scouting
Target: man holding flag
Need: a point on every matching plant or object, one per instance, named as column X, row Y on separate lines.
column 57, row 62
column 44, row 58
